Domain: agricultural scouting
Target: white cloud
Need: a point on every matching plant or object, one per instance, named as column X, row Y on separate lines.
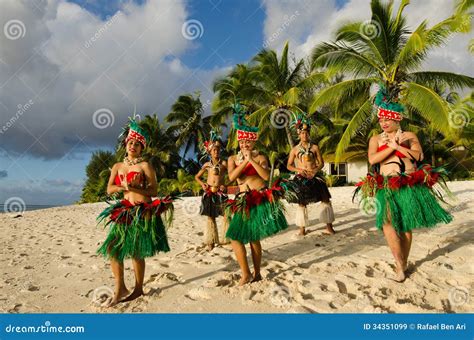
column 317, row 21
column 70, row 64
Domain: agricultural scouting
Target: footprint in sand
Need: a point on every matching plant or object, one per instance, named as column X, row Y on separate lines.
column 199, row 293
column 165, row 278
column 369, row 272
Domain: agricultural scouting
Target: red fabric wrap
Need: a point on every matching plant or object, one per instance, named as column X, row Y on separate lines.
column 398, row 153
column 249, row 170
column 130, row 175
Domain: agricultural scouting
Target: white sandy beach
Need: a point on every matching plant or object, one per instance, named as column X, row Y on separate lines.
column 48, row 264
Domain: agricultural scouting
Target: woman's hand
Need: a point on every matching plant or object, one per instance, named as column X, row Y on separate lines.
column 247, row 155
column 393, row 145
column 404, row 137
column 123, row 183
column 136, row 181
column 205, row 186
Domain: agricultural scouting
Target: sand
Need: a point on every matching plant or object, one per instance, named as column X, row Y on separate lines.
column 48, row 264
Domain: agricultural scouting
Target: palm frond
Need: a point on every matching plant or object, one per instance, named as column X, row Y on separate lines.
column 341, row 91
column 438, row 79
column 426, row 102
column 361, row 117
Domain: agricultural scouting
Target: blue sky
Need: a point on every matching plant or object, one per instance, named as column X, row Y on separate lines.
column 140, row 59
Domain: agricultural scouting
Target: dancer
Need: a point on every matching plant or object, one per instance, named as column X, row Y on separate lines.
column 400, row 187
column 256, row 212
column 136, row 227
column 214, row 190
column 306, row 186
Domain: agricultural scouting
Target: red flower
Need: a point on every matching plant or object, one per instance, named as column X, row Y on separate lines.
column 254, row 198
column 269, row 194
column 394, row 182
column 418, row 177
column 379, row 180
column 432, row 179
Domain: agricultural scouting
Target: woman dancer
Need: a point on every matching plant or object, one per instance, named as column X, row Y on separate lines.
column 400, row 187
column 136, row 227
column 256, row 211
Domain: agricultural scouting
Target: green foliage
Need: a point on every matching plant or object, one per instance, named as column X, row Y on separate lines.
column 97, row 172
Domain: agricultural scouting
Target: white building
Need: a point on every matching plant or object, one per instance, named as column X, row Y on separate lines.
column 351, row 167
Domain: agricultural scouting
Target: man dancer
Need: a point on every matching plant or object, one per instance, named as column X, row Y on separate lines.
column 306, row 187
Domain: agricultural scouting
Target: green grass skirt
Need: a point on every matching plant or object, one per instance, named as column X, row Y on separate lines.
column 260, row 221
column 409, row 208
column 135, row 231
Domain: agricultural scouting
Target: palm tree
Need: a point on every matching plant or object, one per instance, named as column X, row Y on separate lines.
column 385, row 51
column 183, row 183
column 188, row 125
column 239, row 85
column 97, row 172
column 281, row 84
column 270, row 88
column 161, row 152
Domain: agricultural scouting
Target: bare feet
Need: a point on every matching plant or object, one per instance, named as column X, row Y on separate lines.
column 247, row 278
column 399, row 273
column 210, row 247
column 137, row 292
column 118, row 296
column 329, row 229
column 256, row 278
column 302, row 231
